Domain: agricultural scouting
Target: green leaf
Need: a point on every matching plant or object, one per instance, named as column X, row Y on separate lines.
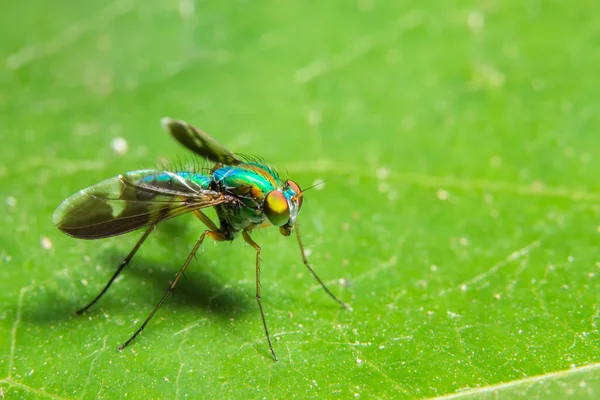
column 458, row 145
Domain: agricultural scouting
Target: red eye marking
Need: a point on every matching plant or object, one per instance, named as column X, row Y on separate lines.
column 294, row 186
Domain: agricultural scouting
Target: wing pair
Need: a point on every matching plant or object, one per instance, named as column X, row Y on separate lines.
column 142, row 198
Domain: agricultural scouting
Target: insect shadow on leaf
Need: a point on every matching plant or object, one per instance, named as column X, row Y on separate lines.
column 203, row 289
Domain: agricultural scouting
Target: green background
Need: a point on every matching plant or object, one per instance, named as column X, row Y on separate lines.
column 458, row 142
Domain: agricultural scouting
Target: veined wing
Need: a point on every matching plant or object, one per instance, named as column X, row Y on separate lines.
column 131, row 201
column 200, row 142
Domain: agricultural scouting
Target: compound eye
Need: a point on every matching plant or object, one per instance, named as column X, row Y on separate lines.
column 276, row 208
column 298, row 196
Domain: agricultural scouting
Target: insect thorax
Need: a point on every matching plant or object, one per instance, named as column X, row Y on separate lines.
column 249, row 183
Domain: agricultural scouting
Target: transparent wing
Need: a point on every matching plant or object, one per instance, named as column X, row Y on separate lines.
column 131, row 201
column 200, row 142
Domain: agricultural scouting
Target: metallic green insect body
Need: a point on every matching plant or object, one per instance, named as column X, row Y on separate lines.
column 247, row 195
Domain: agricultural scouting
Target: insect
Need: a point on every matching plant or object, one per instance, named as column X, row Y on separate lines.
column 247, row 195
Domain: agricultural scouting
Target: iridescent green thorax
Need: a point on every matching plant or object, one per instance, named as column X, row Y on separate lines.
column 250, row 182
column 254, row 178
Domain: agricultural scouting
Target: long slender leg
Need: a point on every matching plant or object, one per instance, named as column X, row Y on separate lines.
column 312, row 271
column 218, row 236
column 207, row 221
column 252, row 243
column 118, row 271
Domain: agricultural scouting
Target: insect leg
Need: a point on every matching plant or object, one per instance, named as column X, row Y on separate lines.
column 118, row 271
column 252, row 243
column 207, row 221
column 216, row 235
column 312, row 271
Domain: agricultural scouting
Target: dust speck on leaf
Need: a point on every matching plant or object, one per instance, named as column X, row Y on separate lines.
column 476, row 21
column 46, row 243
column 344, row 282
column 382, row 173
column 119, row 146
column 442, row 194
column 11, row 202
